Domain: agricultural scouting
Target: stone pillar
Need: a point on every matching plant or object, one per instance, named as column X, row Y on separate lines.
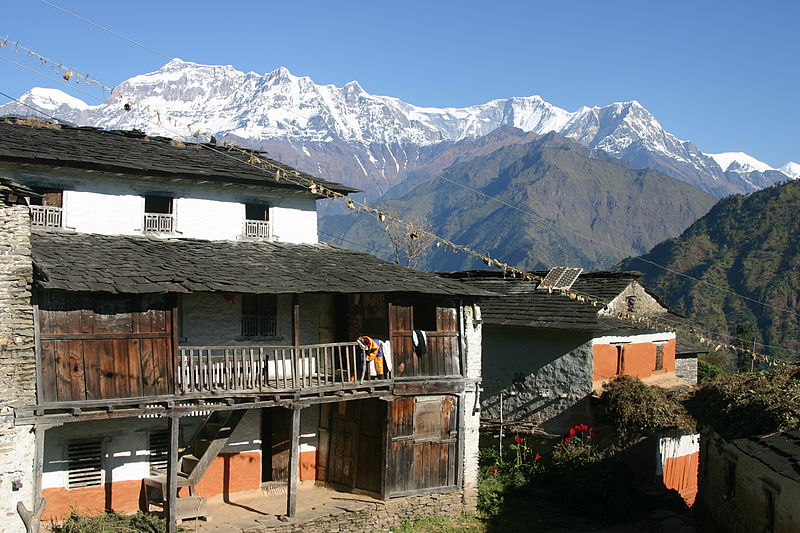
column 17, row 365
column 472, row 413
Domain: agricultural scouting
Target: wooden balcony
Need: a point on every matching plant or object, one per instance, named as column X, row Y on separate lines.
column 259, row 369
column 159, row 223
column 257, row 229
column 46, row 216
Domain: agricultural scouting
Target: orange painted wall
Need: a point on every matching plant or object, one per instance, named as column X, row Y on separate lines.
column 680, row 473
column 668, row 357
column 229, row 473
column 605, row 362
column 308, row 466
column 639, row 359
column 123, row 496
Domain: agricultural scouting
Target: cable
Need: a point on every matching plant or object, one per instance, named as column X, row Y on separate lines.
column 50, row 77
column 112, row 32
column 363, row 247
column 609, row 245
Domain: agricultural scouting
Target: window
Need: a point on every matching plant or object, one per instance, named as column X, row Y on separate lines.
column 730, row 480
column 158, row 216
column 46, row 209
column 259, row 315
column 659, row 357
column 159, row 451
column 84, row 463
column 769, row 502
column 256, row 224
column 630, row 301
column 425, row 316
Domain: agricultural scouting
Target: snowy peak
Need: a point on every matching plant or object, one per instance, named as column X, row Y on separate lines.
column 791, row 169
column 739, row 162
column 51, row 99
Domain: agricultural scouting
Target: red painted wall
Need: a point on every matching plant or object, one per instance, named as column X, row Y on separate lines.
column 680, row 473
column 638, row 360
column 605, row 362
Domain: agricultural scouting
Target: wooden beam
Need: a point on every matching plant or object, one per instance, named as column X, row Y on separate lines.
column 294, row 463
column 460, row 444
column 386, row 442
column 170, row 505
column 296, row 339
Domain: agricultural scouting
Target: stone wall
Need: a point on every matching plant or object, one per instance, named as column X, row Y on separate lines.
column 686, row 369
column 738, row 503
column 380, row 516
column 544, row 376
column 17, row 365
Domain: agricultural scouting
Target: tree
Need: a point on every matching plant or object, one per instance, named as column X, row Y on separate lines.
column 410, row 239
column 745, row 340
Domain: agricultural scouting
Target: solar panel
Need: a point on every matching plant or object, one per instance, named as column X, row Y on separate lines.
column 560, row 278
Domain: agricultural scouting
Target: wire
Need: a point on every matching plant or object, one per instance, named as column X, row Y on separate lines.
column 50, row 78
column 363, row 247
column 611, row 246
column 112, row 32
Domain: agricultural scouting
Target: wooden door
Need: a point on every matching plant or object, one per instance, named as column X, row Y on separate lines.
column 422, row 444
column 343, row 444
column 369, row 464
column 276, row 432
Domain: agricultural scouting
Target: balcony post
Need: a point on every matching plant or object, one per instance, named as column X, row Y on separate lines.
column 296, row 338
column 294, row 462
column 171, row 510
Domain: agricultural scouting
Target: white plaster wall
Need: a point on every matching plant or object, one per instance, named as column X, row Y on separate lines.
column 17, row 451
column 635, row 339
column 644, row 303
column 295, row 221
column 472, row 411
column 309, row 427
column 109, row 214
column 126, row 442
column 96, row 202
column 197, row 218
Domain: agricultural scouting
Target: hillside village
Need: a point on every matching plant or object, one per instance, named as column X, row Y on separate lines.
column 177, row 341
column 234, row 302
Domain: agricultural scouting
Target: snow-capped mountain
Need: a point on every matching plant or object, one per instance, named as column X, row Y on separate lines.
column 366, row 140
column 791, row 169
column 739, row 162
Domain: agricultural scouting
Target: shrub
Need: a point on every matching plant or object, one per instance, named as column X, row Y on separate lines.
column 707, row 371
column 112, row 523
column 638, row 410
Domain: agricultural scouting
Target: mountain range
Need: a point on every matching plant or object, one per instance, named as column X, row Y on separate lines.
column 374, row 142
column 534, row 200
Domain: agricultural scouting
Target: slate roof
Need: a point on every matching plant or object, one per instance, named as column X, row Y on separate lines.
column 134, row 153
column 11, row 187
column 122, row 264
column 520, row 304
column 780, row 452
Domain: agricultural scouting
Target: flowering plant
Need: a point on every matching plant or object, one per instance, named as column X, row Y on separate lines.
column 576, row 447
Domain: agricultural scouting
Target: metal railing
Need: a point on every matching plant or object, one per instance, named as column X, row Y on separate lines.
column 159, row 223
column 259, row 326
column 257, row 229
column 47, row 216
column 272, row 368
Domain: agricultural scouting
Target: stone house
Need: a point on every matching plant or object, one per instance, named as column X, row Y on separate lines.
column 546, row 355
column 172, row 329
column 750, row 483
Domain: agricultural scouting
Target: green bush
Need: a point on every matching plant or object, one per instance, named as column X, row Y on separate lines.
column 707, row 371
column 112, row 523
column 637, row 410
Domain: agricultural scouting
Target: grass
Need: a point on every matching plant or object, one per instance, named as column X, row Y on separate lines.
column 112, row 523
column 441, row 524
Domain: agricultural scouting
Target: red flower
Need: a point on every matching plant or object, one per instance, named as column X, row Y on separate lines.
column 493, row 469
column 537, row 457
column 567, row 439
column 572, row 431
column 519, row 440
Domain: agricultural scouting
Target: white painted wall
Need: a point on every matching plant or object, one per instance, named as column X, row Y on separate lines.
column 472, row 411
column 635, row 339
column 96, row 202
column 126, row 442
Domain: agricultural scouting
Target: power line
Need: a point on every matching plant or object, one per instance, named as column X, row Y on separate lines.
column 363, row 247
column 112, row 32
column 53, row 116
column 611, row 246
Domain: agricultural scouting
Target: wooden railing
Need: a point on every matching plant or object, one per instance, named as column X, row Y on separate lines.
column 271, row 368
column 46, row 215
column 257, row 229
column 159, row 223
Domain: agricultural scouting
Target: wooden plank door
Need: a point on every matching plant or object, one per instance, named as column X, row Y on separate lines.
column 369, row 469
column 343, row 444
column 276, row 428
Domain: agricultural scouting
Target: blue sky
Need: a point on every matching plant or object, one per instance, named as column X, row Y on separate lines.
column 723, row 74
